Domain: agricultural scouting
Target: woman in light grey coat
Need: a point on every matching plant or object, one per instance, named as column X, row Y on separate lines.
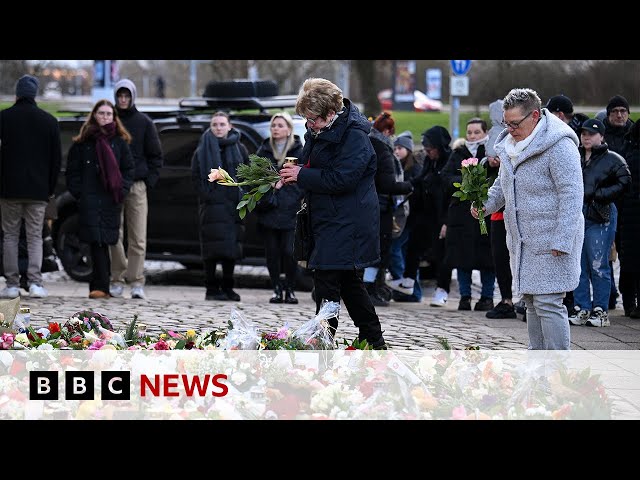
column 540, row 186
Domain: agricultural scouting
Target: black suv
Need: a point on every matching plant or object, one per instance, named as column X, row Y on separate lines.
column 172, row 231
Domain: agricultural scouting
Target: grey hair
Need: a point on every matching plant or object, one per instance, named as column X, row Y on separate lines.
column 524, row 98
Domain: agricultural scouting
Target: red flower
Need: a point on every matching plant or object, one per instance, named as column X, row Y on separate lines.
column 351, row 347
column 54, row 327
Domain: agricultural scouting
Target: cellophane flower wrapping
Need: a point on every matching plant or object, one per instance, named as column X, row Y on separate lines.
column 315, row 334
column 242, row 334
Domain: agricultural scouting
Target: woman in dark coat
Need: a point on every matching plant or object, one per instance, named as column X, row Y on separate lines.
column 277, row 210
column 338, row 180
column 221, row 228
column 467, row 249
column 99, row 173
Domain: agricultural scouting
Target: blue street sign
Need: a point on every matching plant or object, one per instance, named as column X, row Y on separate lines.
column 460, row 67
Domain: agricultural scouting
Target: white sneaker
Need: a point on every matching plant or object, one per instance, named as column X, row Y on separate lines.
column 402, row 285
column 116, row 289
column 37, row 291
column 138, row 292
column 579, row 316
column 10, row 292
column 598, row 318
column 439, row 298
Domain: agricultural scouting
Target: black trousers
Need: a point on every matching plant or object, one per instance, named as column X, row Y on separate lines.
column 333, row 285
column 101, row 267
column 278, row 246
column 210, row 281
column 500, row 254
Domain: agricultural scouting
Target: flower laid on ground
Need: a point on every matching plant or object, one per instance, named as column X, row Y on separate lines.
column 259, row 174
column 474, row 187
column 89, row 330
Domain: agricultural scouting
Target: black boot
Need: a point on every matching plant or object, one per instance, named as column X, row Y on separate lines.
column 376, row 300
column 277, row 294
column 227, row 289
column 289, row 296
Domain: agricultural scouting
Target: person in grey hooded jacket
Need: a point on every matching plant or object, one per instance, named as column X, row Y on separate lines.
column 540, row 186
column 147, row 155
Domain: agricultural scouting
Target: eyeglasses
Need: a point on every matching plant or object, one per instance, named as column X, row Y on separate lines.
column 310, row 121
column 515, row 125
column 105, row 114
column 617, row 111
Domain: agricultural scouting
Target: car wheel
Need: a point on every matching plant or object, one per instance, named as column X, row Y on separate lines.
column 241, row 88
column 74, row 254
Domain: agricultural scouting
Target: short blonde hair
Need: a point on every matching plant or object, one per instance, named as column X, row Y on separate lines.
column 319, row 96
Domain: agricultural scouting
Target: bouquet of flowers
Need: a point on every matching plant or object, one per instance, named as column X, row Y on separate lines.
column 260, row 174
column 474, row 187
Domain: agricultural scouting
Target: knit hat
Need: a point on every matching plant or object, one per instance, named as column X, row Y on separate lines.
column 404, row 141
column 617, row 101
column 560, row 103
column 27, row 86
column 592, row 125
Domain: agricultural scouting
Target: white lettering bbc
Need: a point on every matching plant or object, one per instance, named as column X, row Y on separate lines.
column 44, row 386
column 79, row 385
column 111, row 382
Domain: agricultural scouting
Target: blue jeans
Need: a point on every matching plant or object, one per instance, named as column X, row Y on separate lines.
column 396, row 266
column 547, row 322
column 487, row 278
column 594, row 263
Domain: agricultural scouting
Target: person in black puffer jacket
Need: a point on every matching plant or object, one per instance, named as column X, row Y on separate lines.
column 277, row 210
column 606, row 176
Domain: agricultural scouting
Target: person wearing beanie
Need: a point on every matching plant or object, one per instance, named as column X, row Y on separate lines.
column 147, row 154
column 427, row 211
column 617, row 124
column 404, row 141
column 605, row 176
column 388, row 185
column 30, row 159
column 27, row 87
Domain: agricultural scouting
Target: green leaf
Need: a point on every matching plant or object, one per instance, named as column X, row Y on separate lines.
column 457, row 184
column 264, row 188
column 242, row 203
column 242, row 213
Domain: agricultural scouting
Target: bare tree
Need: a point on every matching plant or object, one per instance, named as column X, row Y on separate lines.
column 365, row 71
column 10, row 72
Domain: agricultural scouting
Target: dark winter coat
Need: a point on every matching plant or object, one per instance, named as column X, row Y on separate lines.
column 145, row 145
column 99, row 214
column 30, row 152
column 278, row 208
column 339, row 184
column 467, row 248
column 605, row 177
column 221, row 229
column 386, row 184
column 615, row 137
column 629, row 216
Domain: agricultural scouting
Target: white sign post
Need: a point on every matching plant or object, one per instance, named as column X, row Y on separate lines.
column 458, row 87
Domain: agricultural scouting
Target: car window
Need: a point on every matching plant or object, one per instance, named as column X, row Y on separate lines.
column 178, row 146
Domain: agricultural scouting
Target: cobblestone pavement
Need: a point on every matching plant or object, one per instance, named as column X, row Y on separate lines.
column 405, row 325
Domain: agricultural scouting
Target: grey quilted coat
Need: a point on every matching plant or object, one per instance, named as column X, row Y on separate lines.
column 542, row 191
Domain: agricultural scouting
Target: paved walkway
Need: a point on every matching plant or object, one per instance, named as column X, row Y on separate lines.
column 406, row 325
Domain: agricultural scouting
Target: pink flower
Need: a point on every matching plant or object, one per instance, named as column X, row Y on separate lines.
column 283, row 333
column 6, row 340
column 97, row 345
column 459, row 413
column 215, row 175
column 470, row 162
column 161, row 345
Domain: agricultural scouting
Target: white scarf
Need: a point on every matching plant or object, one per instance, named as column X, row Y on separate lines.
column 473, row 146
column 514, row 149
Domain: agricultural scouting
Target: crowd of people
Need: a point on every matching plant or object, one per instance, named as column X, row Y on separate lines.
column 378, row 207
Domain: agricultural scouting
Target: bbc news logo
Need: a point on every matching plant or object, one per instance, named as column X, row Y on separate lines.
column 116, row 385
